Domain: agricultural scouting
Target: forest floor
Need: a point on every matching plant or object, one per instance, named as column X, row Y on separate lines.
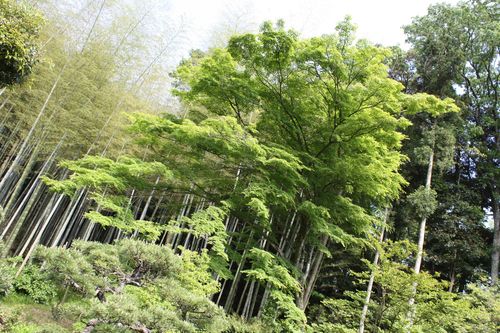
column 19, row 314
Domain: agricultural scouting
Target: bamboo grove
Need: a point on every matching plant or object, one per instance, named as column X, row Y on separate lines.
column 320, row 184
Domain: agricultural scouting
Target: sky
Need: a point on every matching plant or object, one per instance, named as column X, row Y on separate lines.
column 379, row 21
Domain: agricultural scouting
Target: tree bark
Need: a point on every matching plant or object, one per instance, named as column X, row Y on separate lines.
column 364, row 311
column 495, row 253
column 420, row 249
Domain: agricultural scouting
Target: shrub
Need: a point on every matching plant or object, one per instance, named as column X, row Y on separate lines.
column 7, row 274
column 36, row 284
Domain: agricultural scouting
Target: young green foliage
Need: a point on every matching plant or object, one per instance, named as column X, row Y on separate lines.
column 281, row 313
column 437, row 310
column 19, row 28
column 108, row 182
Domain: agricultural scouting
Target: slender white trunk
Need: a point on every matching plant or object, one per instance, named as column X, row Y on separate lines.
column 67, row 218
column 254, row 301
column 248, row 302
column 495, row 253
column 237, row 275
column 420, row 248
column 311, row 275
column 93, row 26
column 35, row 243
column 17, row 161
column 8, row 111
column 18, row 186
column 148, row 202
column 240, row 303
column 38, row 226
column 197, row 208
column 364, row 311
column 184, row 212
column 7, row 155
column 263, row 303
column 157, row 206
column 28, row 196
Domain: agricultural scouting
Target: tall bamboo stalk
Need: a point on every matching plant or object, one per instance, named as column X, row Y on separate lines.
column 18, row 160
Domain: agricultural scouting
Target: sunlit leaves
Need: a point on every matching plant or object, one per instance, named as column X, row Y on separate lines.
column 108, row 182
column 19, row 29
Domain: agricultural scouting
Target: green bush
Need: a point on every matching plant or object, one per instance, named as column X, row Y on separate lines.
column 6, row 278
column 7, row 273
column 19, row 29
column 141, row 283
column 36, row 284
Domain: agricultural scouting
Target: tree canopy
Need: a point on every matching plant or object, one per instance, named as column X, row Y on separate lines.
column 322, row 184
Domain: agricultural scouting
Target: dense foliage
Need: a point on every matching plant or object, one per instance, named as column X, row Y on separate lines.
column 324, row 184
column 19, row 26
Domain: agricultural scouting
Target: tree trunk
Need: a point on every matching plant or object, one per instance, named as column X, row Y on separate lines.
column 237, row 275
column 420, row 249
column 495, row 253
column 311, row 275
column 17, row 161
column 28, row 200
column 18, row 185
column 364, row 311
column 34, row 244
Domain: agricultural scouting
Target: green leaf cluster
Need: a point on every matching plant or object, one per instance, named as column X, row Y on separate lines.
column 19, row 28
column 270, row 271
column 437, row 310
